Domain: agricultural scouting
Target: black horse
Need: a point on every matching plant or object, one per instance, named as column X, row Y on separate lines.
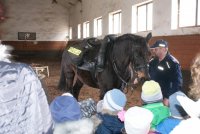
column 126, row 59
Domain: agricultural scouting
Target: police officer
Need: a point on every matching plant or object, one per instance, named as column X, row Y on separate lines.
column 165, row 69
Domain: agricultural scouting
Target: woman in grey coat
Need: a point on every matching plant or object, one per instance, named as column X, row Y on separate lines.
column 23, row 104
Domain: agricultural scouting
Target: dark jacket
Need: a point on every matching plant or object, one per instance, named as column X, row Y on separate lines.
column 167, row 73
column 110, row 124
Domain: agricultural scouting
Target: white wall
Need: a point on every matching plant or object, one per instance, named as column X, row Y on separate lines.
column 49, row 21
column 92, row 9
column 95, row 8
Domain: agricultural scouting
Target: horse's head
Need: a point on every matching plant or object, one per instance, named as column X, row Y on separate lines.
column 140, row 56
column 131, row 54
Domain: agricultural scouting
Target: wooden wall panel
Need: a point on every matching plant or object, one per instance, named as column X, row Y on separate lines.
column 36, row 46
column 39, row 48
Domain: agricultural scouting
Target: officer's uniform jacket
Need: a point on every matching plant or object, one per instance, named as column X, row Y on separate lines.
column 167, row 73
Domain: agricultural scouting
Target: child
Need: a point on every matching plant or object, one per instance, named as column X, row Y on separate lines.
column 192, row 107
column 67, row 116
column 177, row 114
column 113, row 102
column 152, row 100
column 175, row 107
column 137, row 120
column 88, row 107
column 23, row 103
column 190, row 125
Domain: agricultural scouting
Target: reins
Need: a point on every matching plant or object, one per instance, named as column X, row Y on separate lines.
column 124, row 83
column 117, row 72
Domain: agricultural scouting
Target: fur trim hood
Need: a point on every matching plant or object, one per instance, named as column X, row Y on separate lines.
column 5, row 53
column 83, row 126
column 105, row 111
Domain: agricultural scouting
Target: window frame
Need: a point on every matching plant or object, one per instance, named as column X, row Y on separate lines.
column 176, row 19
column 70, row 33
column 79, row 31
column 146, row 15
column 112, row 22
column 98, row 27
column 86, row 29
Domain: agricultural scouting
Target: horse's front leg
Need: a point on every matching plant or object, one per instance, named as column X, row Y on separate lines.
column 105, row 86
column 102, row 93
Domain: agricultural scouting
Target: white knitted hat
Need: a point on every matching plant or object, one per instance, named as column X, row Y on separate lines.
column 138, row 120
column 191, row 107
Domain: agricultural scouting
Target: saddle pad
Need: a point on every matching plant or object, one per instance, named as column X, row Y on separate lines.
column 75, row 52
column 84, row 51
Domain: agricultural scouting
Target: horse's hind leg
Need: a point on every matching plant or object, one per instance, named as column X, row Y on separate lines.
column 76, row 88
column 62, row 81
column 69, row 75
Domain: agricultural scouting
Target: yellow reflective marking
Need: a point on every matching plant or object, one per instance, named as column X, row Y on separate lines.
column 74, row 51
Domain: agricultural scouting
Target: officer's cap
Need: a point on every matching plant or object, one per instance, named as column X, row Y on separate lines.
column 160, row 43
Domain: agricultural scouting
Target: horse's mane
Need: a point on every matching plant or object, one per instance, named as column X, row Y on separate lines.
column 132, row 42
column 131, row 38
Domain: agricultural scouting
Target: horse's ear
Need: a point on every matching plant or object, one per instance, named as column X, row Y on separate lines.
column 148, row 37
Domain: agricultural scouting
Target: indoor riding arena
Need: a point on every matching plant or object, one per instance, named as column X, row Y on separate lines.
column 39, row 31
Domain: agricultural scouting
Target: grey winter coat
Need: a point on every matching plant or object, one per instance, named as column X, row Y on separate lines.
column 23, row 103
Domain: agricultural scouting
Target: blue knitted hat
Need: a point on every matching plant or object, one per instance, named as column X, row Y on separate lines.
column 175, row 107
column 114, row 100
column 65, row 108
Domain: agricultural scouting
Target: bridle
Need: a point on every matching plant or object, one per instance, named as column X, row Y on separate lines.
column 124, row 82
column 117, row 72
column 142, row 66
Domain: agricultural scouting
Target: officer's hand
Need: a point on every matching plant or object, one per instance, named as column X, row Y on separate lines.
column 166, row 102
column 135, row 81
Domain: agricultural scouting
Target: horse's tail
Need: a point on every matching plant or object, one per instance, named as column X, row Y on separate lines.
column 62, row 82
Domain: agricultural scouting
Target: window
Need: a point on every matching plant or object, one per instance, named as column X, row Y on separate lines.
column 86, row 29
column 142, row 17
column 70, row 33
column 115, row 22
column 185, row 13
column 79, row 31
column 98, row 27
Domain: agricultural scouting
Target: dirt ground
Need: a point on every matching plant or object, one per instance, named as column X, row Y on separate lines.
column 50, row 83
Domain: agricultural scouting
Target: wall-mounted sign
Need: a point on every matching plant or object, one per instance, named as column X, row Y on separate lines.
column 26, row 36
